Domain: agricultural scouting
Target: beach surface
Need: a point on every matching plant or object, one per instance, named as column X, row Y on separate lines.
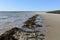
column 52, row 22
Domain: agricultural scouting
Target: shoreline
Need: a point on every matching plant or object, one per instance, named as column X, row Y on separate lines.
column 52, row 23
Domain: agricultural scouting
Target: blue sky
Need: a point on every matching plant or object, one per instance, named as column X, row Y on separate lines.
column 29, row 5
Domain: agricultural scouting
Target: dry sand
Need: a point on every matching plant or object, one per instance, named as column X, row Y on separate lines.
column 52, row 21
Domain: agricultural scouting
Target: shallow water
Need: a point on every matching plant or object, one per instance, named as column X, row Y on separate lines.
column 11, row 17
column 8, row 20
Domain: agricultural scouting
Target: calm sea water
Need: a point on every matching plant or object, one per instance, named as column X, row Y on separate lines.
column 8, row 20
column 12, row 16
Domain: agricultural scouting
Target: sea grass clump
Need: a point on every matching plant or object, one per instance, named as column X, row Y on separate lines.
column 8, row 35
column 31, row 22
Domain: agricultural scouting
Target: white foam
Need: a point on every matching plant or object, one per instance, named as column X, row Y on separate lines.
column 3, row 17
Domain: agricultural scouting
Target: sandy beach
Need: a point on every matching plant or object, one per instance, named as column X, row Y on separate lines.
column 52, row 21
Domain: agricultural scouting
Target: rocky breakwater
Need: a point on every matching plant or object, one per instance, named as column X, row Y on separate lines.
column 32, row 29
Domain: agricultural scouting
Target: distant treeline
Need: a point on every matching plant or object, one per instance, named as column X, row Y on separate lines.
column 56, row 12
column 16, row 11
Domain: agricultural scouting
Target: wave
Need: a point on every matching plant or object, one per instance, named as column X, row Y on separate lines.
column 3, row 17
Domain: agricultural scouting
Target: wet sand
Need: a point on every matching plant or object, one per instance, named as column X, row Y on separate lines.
column 52, row 21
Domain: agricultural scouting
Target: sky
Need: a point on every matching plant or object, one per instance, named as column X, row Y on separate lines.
column 29, row 5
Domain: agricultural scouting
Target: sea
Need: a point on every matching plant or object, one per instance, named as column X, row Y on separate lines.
column 14, row 19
